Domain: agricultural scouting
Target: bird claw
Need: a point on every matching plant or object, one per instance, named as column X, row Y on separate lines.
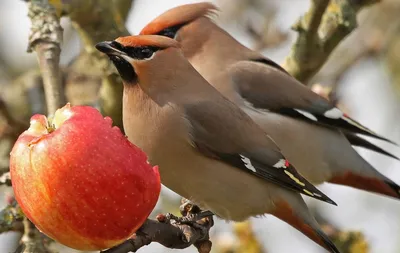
column 188, row 206
column 191, row 213
column 192, row 216
column 189, row 219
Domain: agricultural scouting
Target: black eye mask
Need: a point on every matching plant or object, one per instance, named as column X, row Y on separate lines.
column 125, row 69
column 170, row 32
column 141, row 53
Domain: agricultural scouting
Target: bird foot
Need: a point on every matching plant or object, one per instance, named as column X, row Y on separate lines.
column 189, row 219
column 192, row 215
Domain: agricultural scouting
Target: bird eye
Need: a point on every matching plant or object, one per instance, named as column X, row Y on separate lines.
column 146, row 53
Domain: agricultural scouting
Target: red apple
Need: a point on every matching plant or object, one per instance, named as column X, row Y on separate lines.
column 80, row 180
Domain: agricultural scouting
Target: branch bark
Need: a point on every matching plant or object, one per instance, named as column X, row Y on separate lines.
column 170, row 233
column 320, row 30
column 46, row 38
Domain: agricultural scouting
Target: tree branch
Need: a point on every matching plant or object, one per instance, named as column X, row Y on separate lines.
column 313, row 18
column 46, row 38
column 319, row 32
column 170, row 233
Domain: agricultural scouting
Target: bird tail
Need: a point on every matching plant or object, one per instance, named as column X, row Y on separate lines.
column 300, row 218
column 371, row 183
column 361, row 142
column 356, row 172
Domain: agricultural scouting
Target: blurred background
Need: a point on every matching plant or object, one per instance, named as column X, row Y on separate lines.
column 362, row 75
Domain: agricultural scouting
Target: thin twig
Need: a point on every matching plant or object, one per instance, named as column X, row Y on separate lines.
column 313, row 18
column 46, row 38
column 308, row 45
column 320, row 30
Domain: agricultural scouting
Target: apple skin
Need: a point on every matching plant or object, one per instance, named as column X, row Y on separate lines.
column 83, row 184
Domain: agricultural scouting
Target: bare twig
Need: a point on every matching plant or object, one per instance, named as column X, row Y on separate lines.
column 308, row 46
column 312, row 20
column 320, row 31
column 46, row 38
column 171, row 234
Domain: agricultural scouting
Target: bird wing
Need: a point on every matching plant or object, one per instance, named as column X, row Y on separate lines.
column 267, row 87
column 225, row 133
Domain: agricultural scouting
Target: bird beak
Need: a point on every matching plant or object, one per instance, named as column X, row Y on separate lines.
column 107, row 48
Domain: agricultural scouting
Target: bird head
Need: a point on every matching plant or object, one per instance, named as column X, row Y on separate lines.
column 170, row 22
column 155, row 63
column 133, row 54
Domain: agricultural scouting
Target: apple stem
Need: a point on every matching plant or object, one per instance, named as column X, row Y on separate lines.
column 50, row 127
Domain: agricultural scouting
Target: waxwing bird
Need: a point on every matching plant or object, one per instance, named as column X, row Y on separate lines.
column 311, row 132
column 208, row 150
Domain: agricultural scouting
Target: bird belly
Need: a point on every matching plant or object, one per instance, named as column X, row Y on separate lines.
column 227, row 191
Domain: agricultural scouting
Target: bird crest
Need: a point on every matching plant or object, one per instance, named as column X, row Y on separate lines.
column 147, row 40
column 179, row 16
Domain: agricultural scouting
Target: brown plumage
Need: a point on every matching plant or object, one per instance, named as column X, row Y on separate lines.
column 310, row 131
column 208, row 150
